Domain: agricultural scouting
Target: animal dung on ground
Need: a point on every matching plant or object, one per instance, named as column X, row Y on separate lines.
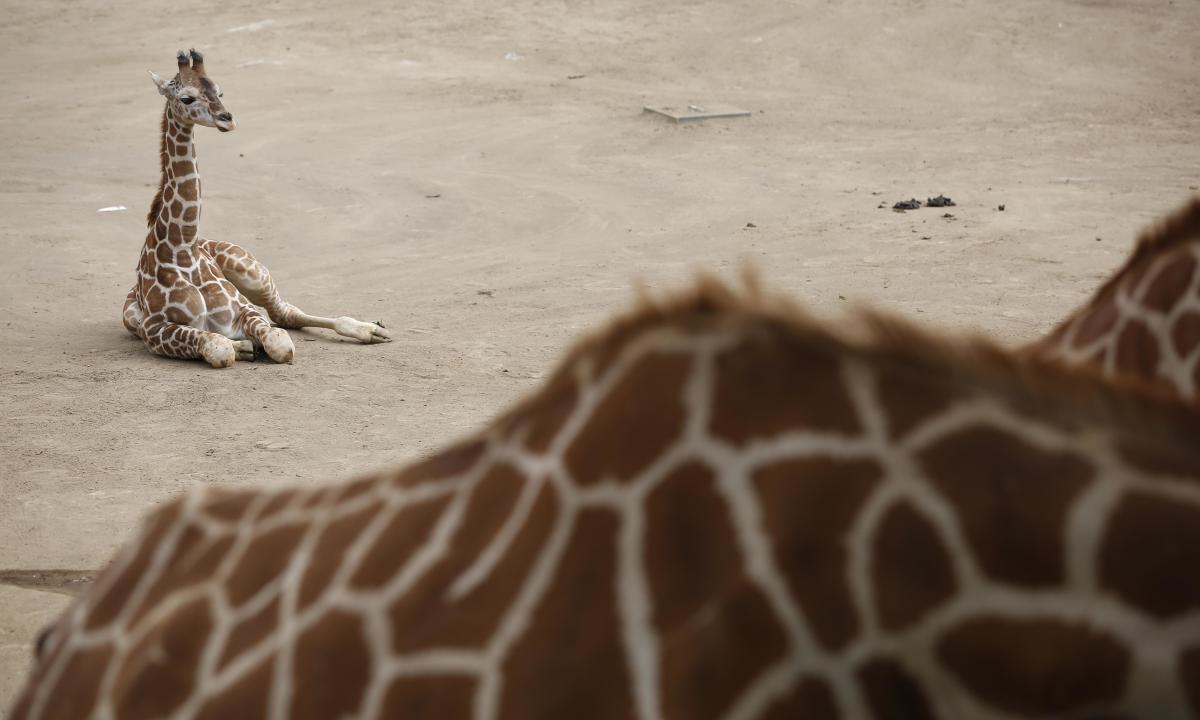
column 694, row 112
column 939, row 201
column 912, row 204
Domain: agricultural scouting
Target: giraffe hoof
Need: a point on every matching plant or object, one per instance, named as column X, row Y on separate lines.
column 244, row 350
column 364, row 332
column 218, row 351
column 278, row 345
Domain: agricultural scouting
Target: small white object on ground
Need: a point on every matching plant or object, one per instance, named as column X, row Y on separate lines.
column 113, row 208
column 696, row 112
column 251, row 27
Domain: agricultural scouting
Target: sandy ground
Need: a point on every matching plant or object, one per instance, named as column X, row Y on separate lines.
column 432, row 164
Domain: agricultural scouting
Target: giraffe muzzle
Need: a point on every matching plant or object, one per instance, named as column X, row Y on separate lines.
column 224, row 122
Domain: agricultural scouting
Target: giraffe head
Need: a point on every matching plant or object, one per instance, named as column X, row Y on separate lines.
column 192, row 97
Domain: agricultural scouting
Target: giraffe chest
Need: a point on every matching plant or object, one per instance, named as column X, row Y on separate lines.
column 193, row 293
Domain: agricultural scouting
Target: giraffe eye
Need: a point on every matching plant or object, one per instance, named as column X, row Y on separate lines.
column 186, row 100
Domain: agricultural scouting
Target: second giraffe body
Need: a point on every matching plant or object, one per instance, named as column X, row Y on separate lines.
column 1144, row 322
column 198, row 298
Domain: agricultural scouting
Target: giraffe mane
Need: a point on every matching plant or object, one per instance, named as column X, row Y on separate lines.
column 1178, row 228
column 156, row 204
column 1045, row 388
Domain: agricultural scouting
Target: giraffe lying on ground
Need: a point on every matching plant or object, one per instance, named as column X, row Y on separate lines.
column 196, row 298
column 716, row 508
column 1145, row 320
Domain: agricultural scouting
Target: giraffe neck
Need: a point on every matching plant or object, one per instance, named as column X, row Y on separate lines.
column 175, row 214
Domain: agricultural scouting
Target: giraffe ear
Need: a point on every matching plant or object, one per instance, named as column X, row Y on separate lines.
column 159, row 83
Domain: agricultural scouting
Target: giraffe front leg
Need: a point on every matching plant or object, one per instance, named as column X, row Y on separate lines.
column 131, row 315
column 181, row 341
column 244, row 349
column 274, row 341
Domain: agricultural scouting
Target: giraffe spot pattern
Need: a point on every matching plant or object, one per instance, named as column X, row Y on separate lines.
column 708, row 663
column 454, row 461
column 1185, row 334
column 807, row 508
column 279, row 501
column 264, row 560
column 193, row 561
column 1162, row 463
column 690, row 547
column 329, row 551
column 178, row 315
column 772, row 384
column 910, row 568
column 566, row 665
column 717, row 632
column 1189, row 676
column 250, row 631
column 1149, row 539
column 1170, row 283
column 249, row 697
column 344, row 493
column 408, row 528
column 810, row 699
column 553, row 410
column 429, row 615
column 78, row 685
column 159, row 672
column 1137, row 350
column 908, row 400
column 1012, row 507
column 609, row 446
column 1036, row 666
column 891, row 691
column 331, row 668
column 440, row 696
column 1099, row 321
column 190, row 191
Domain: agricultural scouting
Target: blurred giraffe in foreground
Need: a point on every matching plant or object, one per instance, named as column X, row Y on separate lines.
column 715, row 508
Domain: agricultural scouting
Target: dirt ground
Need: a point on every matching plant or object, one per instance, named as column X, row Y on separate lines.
column 480, row 177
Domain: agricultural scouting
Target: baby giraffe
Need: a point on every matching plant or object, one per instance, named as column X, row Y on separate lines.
column 197, row 298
